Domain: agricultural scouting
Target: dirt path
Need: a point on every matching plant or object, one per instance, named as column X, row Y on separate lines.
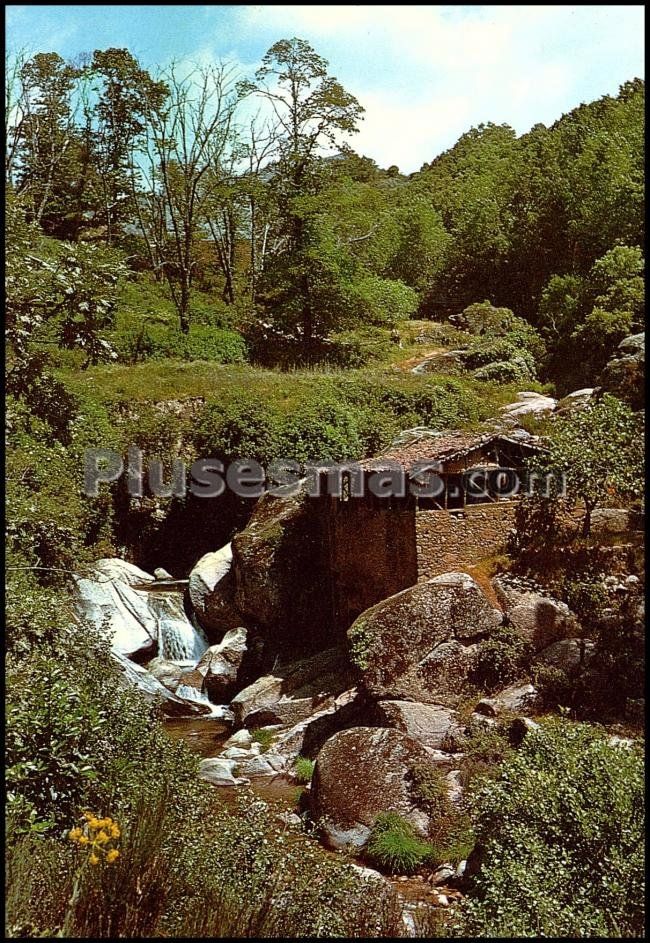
column 413, row 362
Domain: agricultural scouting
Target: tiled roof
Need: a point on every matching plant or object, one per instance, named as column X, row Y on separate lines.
column 442, row 447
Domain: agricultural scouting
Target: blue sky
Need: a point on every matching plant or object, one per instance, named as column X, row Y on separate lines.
column 425, row 74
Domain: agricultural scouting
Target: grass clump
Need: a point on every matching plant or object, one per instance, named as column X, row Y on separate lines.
column 264, row 737
column 304, row 769
column 395, row 847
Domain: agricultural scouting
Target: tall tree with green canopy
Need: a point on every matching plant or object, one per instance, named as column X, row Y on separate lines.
column 313, row 110
column 600, row 451
column 125, row 94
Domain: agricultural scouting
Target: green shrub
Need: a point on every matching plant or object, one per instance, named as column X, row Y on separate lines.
column 355, row 348
column 561, row 833
column 394, row 846
column 163, row 342
column 264, row 737
column 304, row 768
column 506, row 371
column 244, row 427
column 484, row 749
column 500, row 659
column 383, row 300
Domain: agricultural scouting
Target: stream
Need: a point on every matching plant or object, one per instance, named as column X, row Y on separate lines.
column 205, row 736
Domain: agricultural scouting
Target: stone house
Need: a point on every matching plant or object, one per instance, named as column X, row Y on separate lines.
column 453, row 502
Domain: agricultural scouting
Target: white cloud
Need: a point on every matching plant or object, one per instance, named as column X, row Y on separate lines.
column 425, row 74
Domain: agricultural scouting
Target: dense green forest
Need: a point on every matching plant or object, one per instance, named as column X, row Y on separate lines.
column 198, row 263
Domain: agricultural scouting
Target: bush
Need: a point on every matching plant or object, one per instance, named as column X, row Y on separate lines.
column 561, row 833
column 506, row 371
column 262, row 736
column 383, row 300
column 244, row 427
column 161, row 342
column 394, row 846
column 500, row 659
column 304, row 768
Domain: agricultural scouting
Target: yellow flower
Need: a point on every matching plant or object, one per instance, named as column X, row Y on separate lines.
column 83, row 839
column 74, row 834
column 89, row 815
column 101, row 838
column 95, row 823
column 115, row 830
column 112, row 855
column 94, row 859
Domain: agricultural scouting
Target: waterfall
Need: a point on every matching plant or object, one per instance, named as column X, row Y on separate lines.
column 217, row 711
column 180, row 641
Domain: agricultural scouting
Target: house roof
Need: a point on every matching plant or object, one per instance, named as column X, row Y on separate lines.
column 418, row 445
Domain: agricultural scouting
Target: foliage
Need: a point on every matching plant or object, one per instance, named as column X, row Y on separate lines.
column 304, row 769
column 484, row 748
column 599, row 451
column 394, row 846
column 584, row 318
column 500, row 659
column 262, row 736
column 561, row 833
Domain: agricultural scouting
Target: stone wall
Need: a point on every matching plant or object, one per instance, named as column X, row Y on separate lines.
column 451, row 540
column 372, row 556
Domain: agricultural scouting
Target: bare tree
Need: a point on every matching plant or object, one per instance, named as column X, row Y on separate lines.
column 15, row 109
column 187, row 135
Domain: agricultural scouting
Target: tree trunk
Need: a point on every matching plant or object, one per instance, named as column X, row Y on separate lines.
column 184, row 306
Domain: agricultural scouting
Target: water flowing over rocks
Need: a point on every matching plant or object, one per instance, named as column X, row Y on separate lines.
column 171, row 704
column 220, row 665
column 138, row 622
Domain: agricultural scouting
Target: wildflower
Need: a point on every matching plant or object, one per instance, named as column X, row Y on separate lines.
column 101, row 837
column 83, row 839
column 94, row 859
column 112, row 855
column 115, row 830
column 74, row 834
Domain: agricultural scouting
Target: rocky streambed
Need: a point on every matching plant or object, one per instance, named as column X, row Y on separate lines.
column 248, row 675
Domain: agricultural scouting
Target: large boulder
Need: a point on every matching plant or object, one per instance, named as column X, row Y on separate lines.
column 294, row 691
column 306, row 737
column 221, row 664
column 576, row 401
column 221, row 772
column 529, row 404
column 515, row 699
column 539, row 619
column 569, row 655
column 432, row 725
column 420, row 644
column 168, row 673
column 139, row 623
column 211, row 590
column 608, row 521
column 280, row 564
column 361, row 772
column 624, row 375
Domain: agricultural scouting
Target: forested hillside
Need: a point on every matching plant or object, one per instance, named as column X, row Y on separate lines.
column 199, row 263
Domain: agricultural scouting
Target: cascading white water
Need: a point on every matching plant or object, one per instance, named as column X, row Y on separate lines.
column 180, row 641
